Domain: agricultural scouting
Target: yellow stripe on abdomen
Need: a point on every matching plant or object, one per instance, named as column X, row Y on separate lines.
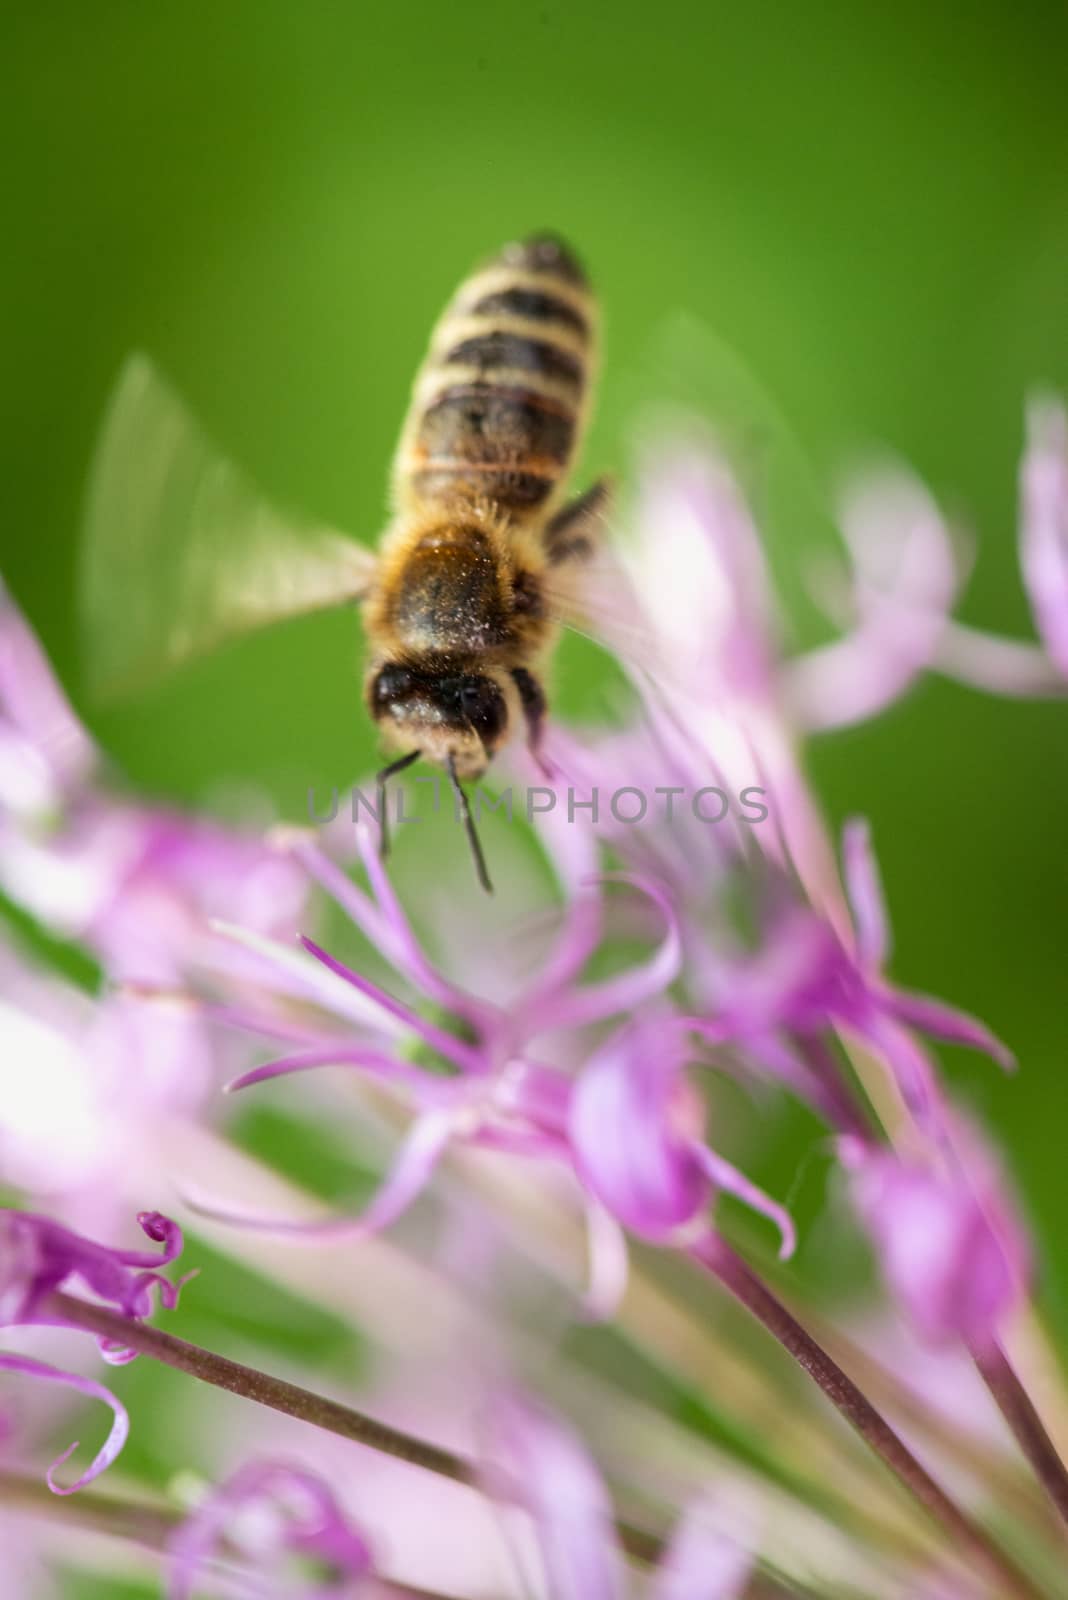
column 499, row 402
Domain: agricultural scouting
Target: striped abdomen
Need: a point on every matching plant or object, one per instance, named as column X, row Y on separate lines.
column 499, row 402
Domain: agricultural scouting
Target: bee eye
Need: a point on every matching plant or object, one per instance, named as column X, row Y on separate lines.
column 473, row 695
column 392, row 683
column 483, row 706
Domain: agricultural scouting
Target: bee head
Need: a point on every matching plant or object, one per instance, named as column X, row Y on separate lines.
column 441, row 711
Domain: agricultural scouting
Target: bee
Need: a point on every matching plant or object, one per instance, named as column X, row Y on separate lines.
column 463, row 601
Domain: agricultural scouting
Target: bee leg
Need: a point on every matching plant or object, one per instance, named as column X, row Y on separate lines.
column 532, row 699
column 572, row 534
column 381, row 779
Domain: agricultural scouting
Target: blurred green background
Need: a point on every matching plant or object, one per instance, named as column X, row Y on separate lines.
column 865, row 205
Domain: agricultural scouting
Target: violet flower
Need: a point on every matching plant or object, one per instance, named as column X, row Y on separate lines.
column 536, row 1458
column 82, row 1079
column 707, row 618
column 1008, row 666
column 952, row 1248
column 497, row 1089
column 636, row 1129
column 85, row 1084
column 136, row 884
column 806, row 979
column 39, row 1257
column 721, row 709
column 266, row 1512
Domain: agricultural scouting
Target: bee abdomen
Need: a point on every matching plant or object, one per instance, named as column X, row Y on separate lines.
column 500, row 399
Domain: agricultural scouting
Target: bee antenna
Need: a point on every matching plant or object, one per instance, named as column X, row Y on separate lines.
column 469, row 824
column 381, row 779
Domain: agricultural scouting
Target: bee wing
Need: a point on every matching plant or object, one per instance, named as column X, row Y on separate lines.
column 587, row 587
column 181, row 551
column 593, row 595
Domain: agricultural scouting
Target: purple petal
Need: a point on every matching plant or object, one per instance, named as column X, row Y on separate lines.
column 292, row 973
column 30, row 695
column 297, row 1511
column 340, row 1055
column 1000, row 666
column 624, row 1130
column 947, row 1236
column 165, row 1232
column 701, row 576
column 865, row 891
column 385, row 924
column 545, row 1464
column 703, row 1561
column 446, row 1044
column 120, row 1426
column 909, row 1064
column 629, row 989
column 947, row 1023
column 41, row 1255
column 728, row 1178
column 904, row 582
column 418, row 1155
column 789, row 982
column 1044, row 525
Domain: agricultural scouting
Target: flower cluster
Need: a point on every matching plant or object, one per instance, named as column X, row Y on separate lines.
column 590, row 1070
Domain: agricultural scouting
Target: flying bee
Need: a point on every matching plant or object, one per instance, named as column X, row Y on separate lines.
column 463, row 601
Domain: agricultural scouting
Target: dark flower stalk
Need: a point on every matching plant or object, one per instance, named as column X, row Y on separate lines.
column 249, row 1382
column 290, row 1399
column 715, row 1256
column 1029, row 1431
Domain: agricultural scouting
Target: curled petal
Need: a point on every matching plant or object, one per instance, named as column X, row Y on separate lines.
column 416, row 1160
column 39, row 1255
column 625, row 1130
column 1044, row 525
column 164, row 1231
column 731, row 1181
column 628, row 989
column 947, row 1023
column 120, row 1426
column 543, row 1463
column 295, row 1511
column 904, row 582
column 865, row 893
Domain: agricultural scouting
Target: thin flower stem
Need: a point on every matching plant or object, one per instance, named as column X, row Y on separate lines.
column 290, row 1398
column 1017, row 1407
column 252, row 1384
column 140, row 1522
column 714, row 1255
